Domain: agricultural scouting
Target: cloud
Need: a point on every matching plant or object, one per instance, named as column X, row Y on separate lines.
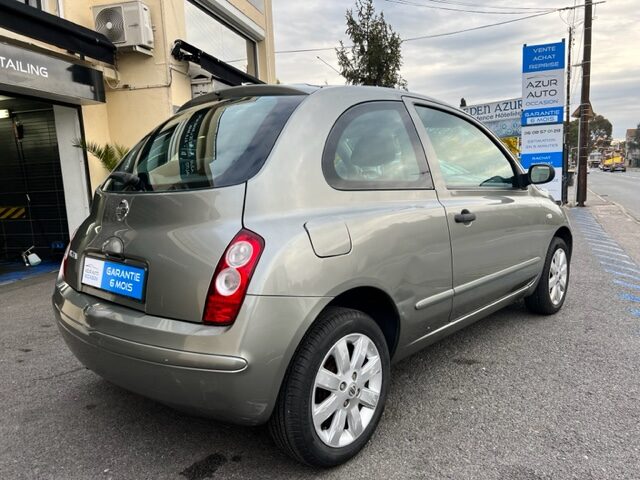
column 483, row 65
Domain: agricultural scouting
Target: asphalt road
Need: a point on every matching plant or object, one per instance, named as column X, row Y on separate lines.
column 620, row 187
column 513, row 397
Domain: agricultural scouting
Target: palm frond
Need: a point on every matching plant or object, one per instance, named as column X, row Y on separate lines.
column 109, row 154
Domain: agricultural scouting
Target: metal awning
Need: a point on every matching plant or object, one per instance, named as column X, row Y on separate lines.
column 221, row 71
column 39, row 25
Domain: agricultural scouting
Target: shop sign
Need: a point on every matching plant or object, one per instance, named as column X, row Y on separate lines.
column 502, row 117
column 495, row 111
column 32, row 73
column 543, row 108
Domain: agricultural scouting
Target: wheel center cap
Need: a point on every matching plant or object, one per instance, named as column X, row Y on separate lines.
column 353, row 390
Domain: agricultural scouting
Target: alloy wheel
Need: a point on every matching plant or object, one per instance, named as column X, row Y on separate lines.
column 346, row 390
column 558, row 276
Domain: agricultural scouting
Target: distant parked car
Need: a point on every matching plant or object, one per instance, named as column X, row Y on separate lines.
column 264, row 254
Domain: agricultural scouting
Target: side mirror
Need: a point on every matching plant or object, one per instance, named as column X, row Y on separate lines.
column 540, row 173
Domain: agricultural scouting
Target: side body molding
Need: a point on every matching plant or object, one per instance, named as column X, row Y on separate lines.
column 329, row 237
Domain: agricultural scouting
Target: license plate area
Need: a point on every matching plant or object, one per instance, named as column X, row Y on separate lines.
column 119, row 278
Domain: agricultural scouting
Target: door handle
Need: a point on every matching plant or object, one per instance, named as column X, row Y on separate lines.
column 465, row 216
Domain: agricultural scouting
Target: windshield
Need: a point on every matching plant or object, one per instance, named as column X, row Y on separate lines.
column 215, row 146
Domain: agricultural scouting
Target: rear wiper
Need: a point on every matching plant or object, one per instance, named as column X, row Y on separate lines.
column 128, row 179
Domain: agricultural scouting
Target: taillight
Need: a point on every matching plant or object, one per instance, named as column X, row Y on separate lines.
column 231, row 278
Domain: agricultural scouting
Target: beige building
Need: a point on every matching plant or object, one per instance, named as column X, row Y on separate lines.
column 61, row 80
column 631, row 151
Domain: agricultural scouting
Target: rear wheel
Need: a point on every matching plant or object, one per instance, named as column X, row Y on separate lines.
column 550, row 293
column 334, row 391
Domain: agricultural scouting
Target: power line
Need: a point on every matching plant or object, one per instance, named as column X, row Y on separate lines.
column 411, row 39
column 437, row 35
column 450, row 9
column 498, row 7
column 328, row 64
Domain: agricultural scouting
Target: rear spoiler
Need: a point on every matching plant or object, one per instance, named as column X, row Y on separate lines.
column 249, row 91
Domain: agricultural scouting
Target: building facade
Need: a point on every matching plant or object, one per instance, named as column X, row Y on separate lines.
column 631, row 150
column 105, row 72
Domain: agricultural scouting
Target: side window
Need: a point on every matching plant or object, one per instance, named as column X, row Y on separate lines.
column 375, row 146
column 468, row 158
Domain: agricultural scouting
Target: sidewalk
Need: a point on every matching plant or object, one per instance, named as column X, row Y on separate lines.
column 613, row 218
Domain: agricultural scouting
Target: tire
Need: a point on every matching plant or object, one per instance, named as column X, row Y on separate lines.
column 292, row 423
column 542, row 300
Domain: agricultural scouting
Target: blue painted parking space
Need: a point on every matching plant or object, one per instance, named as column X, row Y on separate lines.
column 625, row 272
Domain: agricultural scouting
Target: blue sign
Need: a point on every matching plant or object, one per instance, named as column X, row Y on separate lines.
column 123, row 279
column 542, row 116
column 114, row 277
column 551, row 158
column 538, row 58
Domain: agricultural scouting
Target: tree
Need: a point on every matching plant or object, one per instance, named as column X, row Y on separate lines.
column 599, row 133
column 375, row 57
column 108, row 154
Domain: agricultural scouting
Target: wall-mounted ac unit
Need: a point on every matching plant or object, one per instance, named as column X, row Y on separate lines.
column 126, row 24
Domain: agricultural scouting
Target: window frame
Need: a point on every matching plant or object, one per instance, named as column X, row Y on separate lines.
column 426, row 139
column 424, row 182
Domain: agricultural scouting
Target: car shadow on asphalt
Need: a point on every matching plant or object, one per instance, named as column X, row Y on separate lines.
column 196, row 448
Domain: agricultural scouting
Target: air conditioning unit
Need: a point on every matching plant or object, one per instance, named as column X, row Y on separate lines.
column 126, row 24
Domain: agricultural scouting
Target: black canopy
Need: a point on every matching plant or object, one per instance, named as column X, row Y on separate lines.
column 39, row 25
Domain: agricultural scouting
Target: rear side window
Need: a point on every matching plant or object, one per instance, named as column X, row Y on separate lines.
column 374, row 146
column 216, row 146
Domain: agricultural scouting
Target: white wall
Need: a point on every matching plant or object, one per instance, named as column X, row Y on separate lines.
column 74, row 175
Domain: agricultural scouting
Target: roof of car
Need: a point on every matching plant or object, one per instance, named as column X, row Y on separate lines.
column 298, row 89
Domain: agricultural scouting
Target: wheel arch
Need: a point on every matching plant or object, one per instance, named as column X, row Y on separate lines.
column 565, row 234
column 378, row 305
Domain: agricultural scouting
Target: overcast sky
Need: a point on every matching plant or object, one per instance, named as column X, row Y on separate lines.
column 481, row 66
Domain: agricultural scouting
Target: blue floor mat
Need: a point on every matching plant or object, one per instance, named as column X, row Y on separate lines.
column 13, row 271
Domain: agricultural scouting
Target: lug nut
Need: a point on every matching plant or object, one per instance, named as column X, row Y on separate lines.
column 354, row 376
column 343, row 385
column 345, row 404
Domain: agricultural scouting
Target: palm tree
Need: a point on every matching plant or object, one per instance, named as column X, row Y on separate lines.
column 109, row 154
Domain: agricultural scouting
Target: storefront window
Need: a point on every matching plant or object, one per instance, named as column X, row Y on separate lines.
column 210, row 35
column 259, row 4
column 49, row 6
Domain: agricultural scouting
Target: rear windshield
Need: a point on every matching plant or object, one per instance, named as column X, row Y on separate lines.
column 216, row 146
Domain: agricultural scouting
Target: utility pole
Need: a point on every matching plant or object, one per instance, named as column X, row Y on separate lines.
column 567, row 117
column 585, row 107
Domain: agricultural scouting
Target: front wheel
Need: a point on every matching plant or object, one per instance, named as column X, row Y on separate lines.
column 549, row 295
column 334, row 390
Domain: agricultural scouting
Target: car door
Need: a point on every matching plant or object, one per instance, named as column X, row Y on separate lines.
column 496, row 227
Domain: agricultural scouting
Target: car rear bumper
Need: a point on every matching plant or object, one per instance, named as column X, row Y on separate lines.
column 229, row 373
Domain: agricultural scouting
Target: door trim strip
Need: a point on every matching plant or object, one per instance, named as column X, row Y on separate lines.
column 477, row 312
column 433, row 299
column 439, row 297
column 494, row 276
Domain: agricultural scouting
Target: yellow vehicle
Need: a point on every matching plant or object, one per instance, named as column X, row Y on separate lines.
column 614, row 164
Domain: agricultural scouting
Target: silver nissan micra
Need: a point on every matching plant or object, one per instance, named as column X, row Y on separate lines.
column 264, row 254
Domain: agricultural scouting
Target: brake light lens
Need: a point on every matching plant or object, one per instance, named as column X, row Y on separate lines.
column 231, row 278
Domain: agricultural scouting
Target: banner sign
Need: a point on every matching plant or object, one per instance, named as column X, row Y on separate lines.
column 503, row 118
column 543, row 109
column 27, row 72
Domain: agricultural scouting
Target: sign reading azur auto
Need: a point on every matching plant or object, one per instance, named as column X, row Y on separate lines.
column 542, row 108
